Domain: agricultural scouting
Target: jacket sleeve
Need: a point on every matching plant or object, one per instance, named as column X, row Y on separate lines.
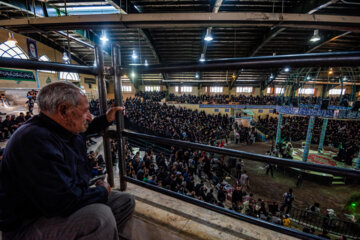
column 97, row 125
column 46, row 178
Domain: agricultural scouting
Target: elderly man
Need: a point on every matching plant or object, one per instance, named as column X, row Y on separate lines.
column 44, row 187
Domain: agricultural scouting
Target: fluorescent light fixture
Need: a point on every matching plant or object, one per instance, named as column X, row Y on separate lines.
column 202, row 58
column 196, row 75
column 85, row 10
column 11, row 40
column 316, row 36
column 331, row 71
column 134, row 56
column 271, row 76
column 308, row 78
column 103, row 37
column 146, row 63
column 345, row 78
column 208, row 36
column 287, row 69
column 65, row 57
column 132, row 74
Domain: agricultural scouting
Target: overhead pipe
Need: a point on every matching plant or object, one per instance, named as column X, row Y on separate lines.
column 278, row 61
column 41, row 65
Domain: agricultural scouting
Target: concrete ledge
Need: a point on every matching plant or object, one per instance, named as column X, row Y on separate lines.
column 192, row 222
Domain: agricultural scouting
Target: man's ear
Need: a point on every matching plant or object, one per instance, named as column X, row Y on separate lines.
column 62, row 108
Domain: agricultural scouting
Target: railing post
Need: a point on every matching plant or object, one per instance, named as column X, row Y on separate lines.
column 116, row 63
column 103, row 107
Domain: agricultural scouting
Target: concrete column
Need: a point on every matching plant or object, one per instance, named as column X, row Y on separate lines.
column 278, row 131
column 308, row 138
column 358, row 161
column 322, row 135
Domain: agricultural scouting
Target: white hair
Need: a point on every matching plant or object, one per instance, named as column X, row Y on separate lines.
column 54, row 94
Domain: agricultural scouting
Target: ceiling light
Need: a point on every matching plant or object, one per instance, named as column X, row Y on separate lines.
column 331, row 71
column 103, row 37
column 146, row 63
column 132, row 74
column 11, row 40
column 65, row 57
column 196, row 75
column 271, row 76
column 208, row 36
column 345, row 78
column 202, row 58
column 134, row 56
column 316, row 36
column 233, row 76
column 308, row 78
column 287, row 69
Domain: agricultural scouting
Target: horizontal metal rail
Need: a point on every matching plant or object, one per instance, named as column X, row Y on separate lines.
column 227, row 212
column 249, row 156
column 41, row 65
column 295, row 60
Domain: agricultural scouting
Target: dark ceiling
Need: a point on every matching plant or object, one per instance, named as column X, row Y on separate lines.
column 184, row 44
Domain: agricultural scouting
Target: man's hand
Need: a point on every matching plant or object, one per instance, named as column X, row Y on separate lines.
column 101, row 182
column 111, row 113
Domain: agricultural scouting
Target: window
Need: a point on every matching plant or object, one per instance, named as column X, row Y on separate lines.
column 308, row 91
column 152, row 88
column 216, row 89
column 69, row 76
column 268, row 90
column 279, row 90
column 45, row 58
column 337, row 91
column 183, row 89
column 10, row 50
column 126, row 88
column 244, row 89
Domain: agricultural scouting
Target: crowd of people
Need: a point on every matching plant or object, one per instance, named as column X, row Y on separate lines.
column 254, row 100
column 176, row 122
column 153, row 96
column 11, row 123
column 340, row 134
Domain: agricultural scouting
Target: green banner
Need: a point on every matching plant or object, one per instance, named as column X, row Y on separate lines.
column 16, row 75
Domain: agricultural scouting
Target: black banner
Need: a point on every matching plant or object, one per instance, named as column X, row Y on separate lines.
column 90, row 80
column 16, row 75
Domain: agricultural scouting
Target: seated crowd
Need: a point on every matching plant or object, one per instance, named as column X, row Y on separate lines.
column 153, row 96
column 178, row 123
column 11, row 123
column 339, row 133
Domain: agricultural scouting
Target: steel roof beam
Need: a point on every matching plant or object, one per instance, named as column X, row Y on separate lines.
column 171, row 20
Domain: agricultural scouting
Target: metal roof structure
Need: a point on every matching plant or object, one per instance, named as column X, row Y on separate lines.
column 168, row 31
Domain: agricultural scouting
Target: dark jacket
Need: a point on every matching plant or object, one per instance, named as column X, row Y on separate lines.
column 45, row 172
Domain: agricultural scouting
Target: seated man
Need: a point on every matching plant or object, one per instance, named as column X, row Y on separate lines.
column 44, row 187
column 7, row 126
column 20, row 119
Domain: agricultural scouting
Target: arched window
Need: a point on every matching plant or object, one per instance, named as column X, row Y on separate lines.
column 10, row 50
column 45, row 58
column 69, row 76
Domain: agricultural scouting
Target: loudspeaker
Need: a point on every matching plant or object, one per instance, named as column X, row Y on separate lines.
column 325, row 104
column 344, row 103
column 295, row 103
column 356, row 106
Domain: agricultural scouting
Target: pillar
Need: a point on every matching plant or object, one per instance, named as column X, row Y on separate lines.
column 278, row 131
column 308, row 138
column 358, row 161
column 322, row 135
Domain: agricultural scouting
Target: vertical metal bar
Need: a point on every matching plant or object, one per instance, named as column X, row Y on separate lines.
column 103, row 107
column 308, row 138
column 116, row 63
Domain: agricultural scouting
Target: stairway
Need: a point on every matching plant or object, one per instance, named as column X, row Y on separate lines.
column 337, row 180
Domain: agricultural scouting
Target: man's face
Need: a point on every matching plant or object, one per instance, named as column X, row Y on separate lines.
column 79, row 117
